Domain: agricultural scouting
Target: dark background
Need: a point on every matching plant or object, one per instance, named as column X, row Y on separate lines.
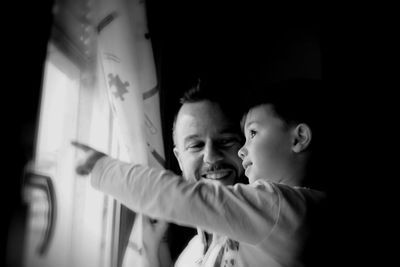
column 264, row 41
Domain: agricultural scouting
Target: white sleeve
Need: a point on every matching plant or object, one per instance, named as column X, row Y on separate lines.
column 247, row 213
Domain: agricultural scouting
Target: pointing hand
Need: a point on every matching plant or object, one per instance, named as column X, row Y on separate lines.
column 91, row 156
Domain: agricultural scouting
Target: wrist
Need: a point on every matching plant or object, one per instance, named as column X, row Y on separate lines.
column 94, row 159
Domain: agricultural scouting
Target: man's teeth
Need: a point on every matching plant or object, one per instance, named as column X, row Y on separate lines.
column 216, row 175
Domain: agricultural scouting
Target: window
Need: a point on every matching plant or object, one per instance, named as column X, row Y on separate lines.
column 83, row 229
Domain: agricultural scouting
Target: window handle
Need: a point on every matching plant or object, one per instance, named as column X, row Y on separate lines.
column 44, row 184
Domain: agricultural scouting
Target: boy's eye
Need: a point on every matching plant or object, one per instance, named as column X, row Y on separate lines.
column 252, row 133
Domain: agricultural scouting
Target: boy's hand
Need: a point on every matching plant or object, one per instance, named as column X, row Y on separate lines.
column 91, row 156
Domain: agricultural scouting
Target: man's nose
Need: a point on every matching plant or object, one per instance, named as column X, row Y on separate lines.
column 242, row 152
column 212, row 154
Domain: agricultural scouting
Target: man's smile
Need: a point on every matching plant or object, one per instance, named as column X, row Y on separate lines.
column 217, row 174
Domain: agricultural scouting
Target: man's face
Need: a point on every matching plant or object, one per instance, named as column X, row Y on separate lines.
column 206, row 143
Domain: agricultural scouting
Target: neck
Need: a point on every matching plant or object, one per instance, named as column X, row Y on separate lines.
column 297, row 173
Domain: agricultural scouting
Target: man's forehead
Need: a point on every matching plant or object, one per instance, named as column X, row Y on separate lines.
column 202, row 111
column 203, row 117
column 192, row 123
column 203, row 105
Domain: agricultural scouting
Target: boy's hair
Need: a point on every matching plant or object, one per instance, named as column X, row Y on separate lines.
column 293, row 101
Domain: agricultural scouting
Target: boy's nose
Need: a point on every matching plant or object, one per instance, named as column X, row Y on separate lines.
column 242, row 152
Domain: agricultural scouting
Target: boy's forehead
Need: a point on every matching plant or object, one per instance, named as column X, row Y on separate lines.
column 259, row 113
column 259, row 110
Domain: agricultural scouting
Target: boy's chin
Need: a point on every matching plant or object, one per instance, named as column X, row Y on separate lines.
column 252, row 178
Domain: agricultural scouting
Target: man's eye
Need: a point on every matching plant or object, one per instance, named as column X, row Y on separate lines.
column 228, row 142
column 194, row 146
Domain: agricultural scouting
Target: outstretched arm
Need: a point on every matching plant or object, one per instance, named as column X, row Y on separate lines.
column 155, row 252
column 245, row 213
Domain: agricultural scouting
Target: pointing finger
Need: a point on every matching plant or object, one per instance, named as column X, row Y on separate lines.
column 81, row 146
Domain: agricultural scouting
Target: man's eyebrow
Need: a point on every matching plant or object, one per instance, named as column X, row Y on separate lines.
column 230, row 129
column 229, row 133
column 190, row 137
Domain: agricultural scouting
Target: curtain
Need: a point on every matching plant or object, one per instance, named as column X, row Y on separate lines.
column 128, row 72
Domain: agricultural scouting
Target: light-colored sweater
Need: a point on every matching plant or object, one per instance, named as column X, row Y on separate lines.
column 269, row 220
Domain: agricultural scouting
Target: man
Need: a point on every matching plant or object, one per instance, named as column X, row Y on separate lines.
column 207, row 137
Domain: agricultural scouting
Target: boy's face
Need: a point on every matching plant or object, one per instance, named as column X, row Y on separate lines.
column 207, row 143
column 267, row 153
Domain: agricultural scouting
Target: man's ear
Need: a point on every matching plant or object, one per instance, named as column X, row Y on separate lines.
column 301, row 137
column 176, row 153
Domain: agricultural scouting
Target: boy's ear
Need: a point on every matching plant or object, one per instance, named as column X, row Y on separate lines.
column 301, row 137
column 176, row 153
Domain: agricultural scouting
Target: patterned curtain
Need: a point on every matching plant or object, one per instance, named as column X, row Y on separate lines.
column 128, row 72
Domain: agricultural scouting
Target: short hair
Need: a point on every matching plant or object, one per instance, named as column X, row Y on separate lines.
column 293, row 101
column 215, row 90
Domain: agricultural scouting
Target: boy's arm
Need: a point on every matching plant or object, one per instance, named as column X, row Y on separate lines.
column 247, row 213
column 155, row 252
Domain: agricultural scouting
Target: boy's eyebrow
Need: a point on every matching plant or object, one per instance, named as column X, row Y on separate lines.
column 247, row 124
